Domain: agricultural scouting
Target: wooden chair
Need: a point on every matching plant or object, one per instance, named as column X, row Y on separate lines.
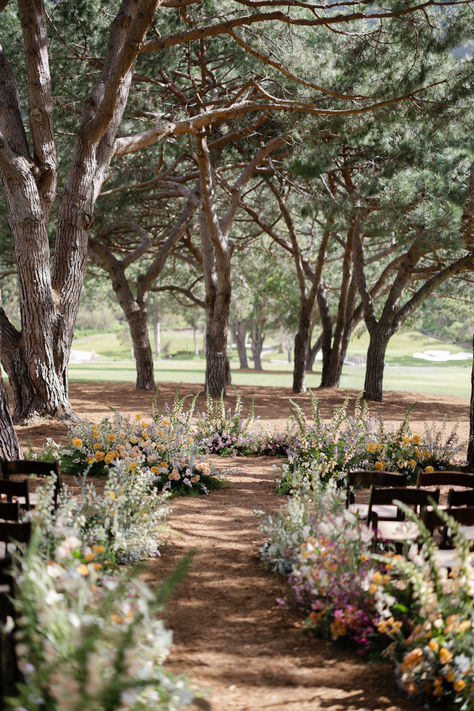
column 366, row 479
column 9, row 673
column 460, row 498
column 15, row 491
column 463, row 515
column 398, row 531
column 445, row 478
column 27, row 467
column 9, row 511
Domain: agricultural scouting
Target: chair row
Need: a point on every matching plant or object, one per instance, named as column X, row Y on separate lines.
column 385, row 509
column 13, row 531
column 13, row 489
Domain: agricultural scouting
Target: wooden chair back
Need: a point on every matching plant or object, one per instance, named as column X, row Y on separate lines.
column 366, row 479
column 445, row 478
column 460, row 498
column 15, row 491
column 15, row 467
column 9, row 511
column 415, row 498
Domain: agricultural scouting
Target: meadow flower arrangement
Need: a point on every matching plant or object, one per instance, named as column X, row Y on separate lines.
column 404, row 451
column 288, row 529
column 325, row 552
column 127, row 520
column 429, row 615
column 88, row 640
column 221, row 430
column 166, row 447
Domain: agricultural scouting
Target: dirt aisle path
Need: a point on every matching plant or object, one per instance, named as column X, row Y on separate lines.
column 231, row 637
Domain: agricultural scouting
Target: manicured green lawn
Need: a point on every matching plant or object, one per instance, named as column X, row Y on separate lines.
column 403, row 372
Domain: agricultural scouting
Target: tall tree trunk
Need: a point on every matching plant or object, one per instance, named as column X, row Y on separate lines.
column 239, row 333
column 373, row 386
column 301, row 348
column 137, row 322
column 9, row 446
column 470, row 449
column 257, row 338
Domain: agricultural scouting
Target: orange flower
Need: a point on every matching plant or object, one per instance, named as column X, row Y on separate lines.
column 429, row 469
column 380, row 466
column 445, row 655
column 83, row 569
column 459, row 685
column 77, row 442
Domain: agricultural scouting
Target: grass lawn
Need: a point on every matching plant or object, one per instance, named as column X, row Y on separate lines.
column 403, row 372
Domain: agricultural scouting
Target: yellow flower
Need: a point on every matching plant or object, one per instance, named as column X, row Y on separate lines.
column 195, row 478
column 138, row 416
column 98, row 548
column 433, row 645
column 97, row 445
column 429, row 469
column 412, row 463
column 89, row 460
column 99, row 455
column 377, row 578
column 459, row 685
column 405, row 440
column 415, row 439
column 371, row 447
column 449, row 676
column 164, row 465
column 155, row 470
column 463, row 626
column 77, row 442
column 109, row 457
column 111, row 437
column 89, row 556
column 132, row 466
column 111, row 495
column 445, row 655
column 380, row 466
column 83, row 569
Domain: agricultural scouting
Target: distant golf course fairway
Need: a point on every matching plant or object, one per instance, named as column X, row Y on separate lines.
column 403, row 372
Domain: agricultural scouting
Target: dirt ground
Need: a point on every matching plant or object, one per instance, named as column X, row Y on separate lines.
column 230, row 636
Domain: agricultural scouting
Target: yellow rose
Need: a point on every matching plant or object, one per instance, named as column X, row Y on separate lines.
column 99, row 455
column 380, row 466
column 77, row 442
column 429, row 469
column 82, row 569
column 415, row 439
column 371, row 447
column 111, row 437
column 459, row 685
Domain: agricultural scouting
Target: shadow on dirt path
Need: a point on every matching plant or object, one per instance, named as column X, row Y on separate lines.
column 231, row 637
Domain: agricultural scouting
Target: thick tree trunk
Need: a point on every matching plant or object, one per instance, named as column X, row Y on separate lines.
column 301, row 349
column 257, row 338
column 373, row 386
column 217, row 363
column 137, row 322
column 239, row 334
column 9, row 446
column 470, row 449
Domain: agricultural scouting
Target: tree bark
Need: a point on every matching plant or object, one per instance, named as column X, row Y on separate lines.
column 373, row 385
column 257, row 337
column 301, row 349
column 9, row 446
column 239, row 333
column 49, row 296
column 470, row 449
